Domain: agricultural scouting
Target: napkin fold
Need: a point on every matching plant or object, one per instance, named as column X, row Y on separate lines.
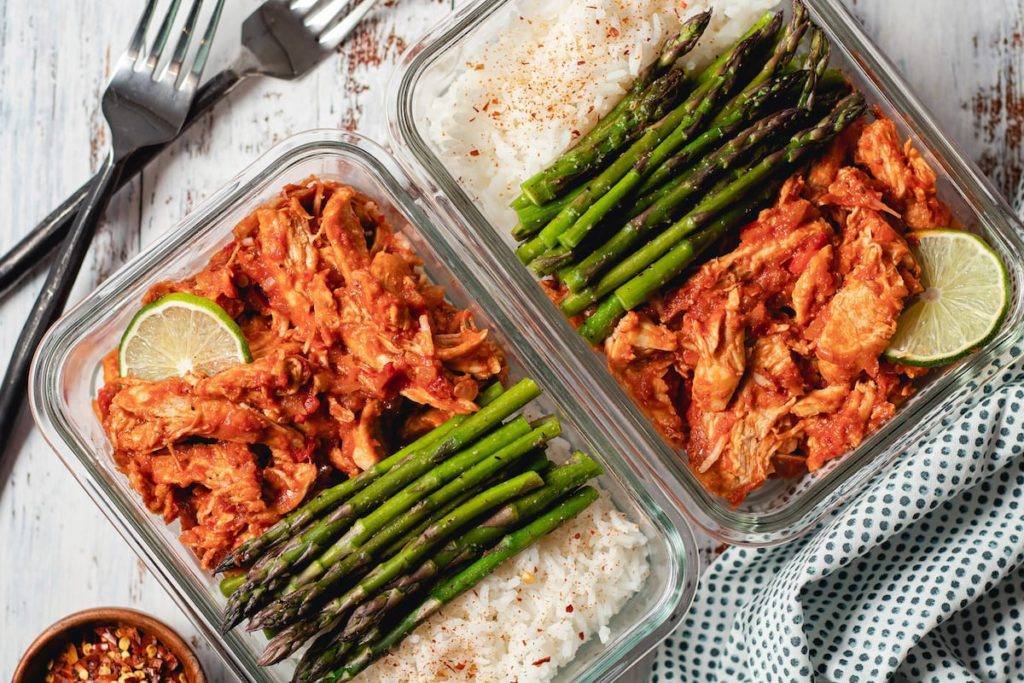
column 918, row 578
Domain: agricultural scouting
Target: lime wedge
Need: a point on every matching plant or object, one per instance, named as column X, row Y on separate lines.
column 181, row 333
column 966, row 296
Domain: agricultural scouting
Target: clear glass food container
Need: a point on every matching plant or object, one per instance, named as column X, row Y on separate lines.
column 781, row 509
column 66, row 374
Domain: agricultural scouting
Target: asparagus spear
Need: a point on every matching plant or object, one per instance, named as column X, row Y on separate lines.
column 689, row 183
column 639, row 162
column 304, row 592
column 603, row 320
column 822, row 102
column 229, row 584
column 456, row 467
column 643, row 104
column 817, row 62
column 784, row 50
column 749, row 107
column 278, row 574
column 548, row 237
column 510, row 545
column 532, row 217
column 551, row 260
column 334, row 496
column 290, row 639
column 705, row 76
column 569, row 476
column 327, row 652
column 259, row 586
column 538, row 463
column 848, row 109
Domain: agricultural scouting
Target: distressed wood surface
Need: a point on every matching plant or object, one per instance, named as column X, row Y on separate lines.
column 59, row 554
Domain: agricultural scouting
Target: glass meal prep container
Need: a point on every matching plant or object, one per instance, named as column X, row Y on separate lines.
column 67, row 373
column 781, row 509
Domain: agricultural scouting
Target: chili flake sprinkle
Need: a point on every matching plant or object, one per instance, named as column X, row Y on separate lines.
column 115, row 653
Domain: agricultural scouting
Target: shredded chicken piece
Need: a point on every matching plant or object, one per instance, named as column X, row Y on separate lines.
column 767, row 361
column 904, row 174
column 351, row 345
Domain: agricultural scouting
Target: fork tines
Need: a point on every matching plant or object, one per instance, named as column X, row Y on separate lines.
column 148, row 60
column 331, row 20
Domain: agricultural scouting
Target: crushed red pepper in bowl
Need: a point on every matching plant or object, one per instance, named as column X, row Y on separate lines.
column 115, row 652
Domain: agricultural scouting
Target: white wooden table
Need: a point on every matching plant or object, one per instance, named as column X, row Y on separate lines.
column 58, row 553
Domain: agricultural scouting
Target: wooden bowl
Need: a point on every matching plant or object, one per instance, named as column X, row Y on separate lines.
column 32, row 667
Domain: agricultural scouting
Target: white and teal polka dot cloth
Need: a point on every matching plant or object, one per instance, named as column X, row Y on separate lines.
column 918, row 579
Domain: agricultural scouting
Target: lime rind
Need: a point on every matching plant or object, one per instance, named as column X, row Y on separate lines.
column 180, row 333
column 966, row 299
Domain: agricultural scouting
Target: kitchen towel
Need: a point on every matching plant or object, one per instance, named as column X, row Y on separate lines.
column 918, row 578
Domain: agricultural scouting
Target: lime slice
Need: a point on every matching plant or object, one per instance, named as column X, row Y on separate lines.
column 966, row 296
column 181, row 333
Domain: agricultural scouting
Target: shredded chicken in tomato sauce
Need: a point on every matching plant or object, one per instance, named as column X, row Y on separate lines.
column 354, row 352
column 768, row 360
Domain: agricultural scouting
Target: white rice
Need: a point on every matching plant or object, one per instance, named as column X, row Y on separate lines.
column 534, row 612
column 530, row 87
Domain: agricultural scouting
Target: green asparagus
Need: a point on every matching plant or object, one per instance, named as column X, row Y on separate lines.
column 327, row 652
column 290, row 639
column 690, row 182
column 510, row 545
column 538, row 463
column 817, row 62
column 551, row 260
column 400, row 503
column 597, row 188
column 532, row 218
column 303, row 594
column 784, row 50
column 571, row 475
column 748, row 108
column 264, row 581
column 640, row 161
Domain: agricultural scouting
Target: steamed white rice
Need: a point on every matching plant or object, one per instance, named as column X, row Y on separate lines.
column 534, row 612
column 550, row 74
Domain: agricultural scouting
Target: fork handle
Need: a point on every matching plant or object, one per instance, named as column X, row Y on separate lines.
column 50, row 302
column 30, row 251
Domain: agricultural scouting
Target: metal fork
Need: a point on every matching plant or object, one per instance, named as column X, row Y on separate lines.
column 280, row 39
column 144, row 104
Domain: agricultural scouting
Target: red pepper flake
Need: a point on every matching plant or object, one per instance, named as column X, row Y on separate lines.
column 542, row 660
column 581, row 62
column 576, row 535
column 612, row 32
column 111, row 652
column 568, row 608
column 581, row 636
column 474, row 152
